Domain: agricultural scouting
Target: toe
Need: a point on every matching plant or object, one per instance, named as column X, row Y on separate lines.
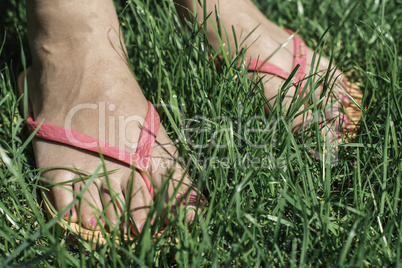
column 113, row 203
column 193, row 202
column 62, row 195
column 341, row 91
column 167, row 169
column 179, row 190
column 138, row 201
column 344, row 100
column 89, row 207
column 345, row 120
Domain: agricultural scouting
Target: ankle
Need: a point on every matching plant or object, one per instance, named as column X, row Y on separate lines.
column 69, row 23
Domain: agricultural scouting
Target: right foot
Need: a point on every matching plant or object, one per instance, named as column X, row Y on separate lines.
column 265, row 38
column 80, row 80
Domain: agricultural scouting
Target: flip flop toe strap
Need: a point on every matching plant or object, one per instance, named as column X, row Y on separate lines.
column 299, row 57
column 146, row 143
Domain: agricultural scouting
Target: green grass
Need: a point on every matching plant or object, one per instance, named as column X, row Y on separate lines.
column 290, row 209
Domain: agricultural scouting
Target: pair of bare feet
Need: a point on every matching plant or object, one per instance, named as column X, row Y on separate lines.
column 80, row 74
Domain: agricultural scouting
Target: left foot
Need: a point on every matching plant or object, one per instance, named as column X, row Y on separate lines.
column 80, row 80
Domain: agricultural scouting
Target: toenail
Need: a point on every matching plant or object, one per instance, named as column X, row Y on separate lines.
column 193, row 197
column 345, row 99
column 68, row 213
column 92, row 222
column 179, row 198
column 350, row 127
column 141, row 226
column 346, row 119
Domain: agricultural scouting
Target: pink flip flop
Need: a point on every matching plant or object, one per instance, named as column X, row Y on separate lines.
column 140, row 160
column 300, row 58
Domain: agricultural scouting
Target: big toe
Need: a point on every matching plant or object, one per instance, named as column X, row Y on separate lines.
column 60, row 194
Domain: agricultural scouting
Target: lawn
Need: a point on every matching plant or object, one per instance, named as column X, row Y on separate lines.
column 275, row 199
